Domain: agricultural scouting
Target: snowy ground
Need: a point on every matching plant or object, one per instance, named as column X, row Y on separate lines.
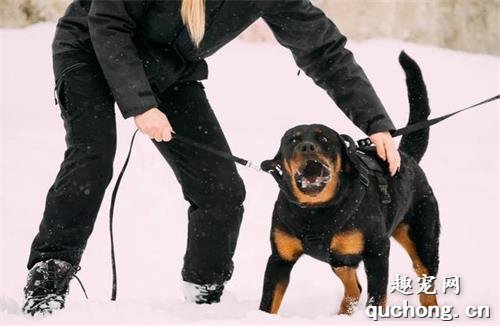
column 257, row 95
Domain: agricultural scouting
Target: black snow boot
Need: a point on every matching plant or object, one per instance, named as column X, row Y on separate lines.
column 203, row 293
column 47, row 286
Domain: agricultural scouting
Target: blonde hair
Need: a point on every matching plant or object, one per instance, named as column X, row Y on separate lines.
column 193, row 17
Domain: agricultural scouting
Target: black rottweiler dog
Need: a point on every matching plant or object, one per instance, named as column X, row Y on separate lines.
column 336, row 207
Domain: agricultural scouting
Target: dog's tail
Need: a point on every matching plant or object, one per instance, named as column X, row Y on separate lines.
column 415, row 143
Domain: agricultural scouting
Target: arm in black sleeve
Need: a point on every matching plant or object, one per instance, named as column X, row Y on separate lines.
column 319, row 50
column 112, row 25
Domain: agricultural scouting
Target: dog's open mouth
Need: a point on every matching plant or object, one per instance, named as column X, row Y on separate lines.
column 312, row 177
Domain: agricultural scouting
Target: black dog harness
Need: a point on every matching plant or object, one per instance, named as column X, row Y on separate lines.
column 317, row 242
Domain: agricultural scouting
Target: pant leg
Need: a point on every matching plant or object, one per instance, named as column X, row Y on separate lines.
column 210, row 184
column 73, row 201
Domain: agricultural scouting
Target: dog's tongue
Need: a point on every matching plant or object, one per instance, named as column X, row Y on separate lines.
column 308, row 180
column 313, row 179
column 313, row 171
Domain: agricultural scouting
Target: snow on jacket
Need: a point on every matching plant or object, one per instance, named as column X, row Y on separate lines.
column 143, row 48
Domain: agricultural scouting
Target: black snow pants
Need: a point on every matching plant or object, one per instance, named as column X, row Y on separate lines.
column 210, row 184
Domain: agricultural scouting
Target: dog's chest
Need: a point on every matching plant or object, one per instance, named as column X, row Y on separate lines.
column 337, row 249
column 324, row 238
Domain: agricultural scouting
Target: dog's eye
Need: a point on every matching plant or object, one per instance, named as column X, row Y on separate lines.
column 323, row 139
column 294, row 140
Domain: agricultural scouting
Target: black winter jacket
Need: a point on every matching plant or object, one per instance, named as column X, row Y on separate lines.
column 143, row 48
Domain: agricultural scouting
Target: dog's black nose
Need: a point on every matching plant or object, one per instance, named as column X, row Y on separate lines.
column 307, row 147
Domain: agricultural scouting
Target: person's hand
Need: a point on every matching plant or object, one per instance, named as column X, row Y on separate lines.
column 386, row 149
column 154, row 124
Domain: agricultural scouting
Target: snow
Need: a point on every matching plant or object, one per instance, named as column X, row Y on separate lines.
column 257, row 95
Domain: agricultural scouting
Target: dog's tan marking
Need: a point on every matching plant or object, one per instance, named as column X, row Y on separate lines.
column 383, row 303
column 279, row 292
column 351, row 289
column 289, row 247
column 402, row 236
column 428, row 300
column 348, row 243
column 329, row 191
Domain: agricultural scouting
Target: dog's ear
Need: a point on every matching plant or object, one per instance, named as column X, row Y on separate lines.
column 269, row 165
column 348, row 149
column 346, row 160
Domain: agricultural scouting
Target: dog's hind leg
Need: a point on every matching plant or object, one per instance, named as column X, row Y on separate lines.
column 352, row 288
column 419, row 236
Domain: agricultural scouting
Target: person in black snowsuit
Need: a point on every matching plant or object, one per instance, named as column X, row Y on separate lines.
column 149, row 58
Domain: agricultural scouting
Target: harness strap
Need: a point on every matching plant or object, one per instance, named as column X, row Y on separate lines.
column 373, row 168
column 383, row 188
column 357, row 159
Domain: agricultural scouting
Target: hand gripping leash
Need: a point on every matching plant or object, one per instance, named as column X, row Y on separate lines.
column 228, row 156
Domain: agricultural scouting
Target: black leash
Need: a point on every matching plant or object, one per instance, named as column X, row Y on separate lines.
column 111, row 215
column 228, row 156
column 222, row 154
column 424, row 124
column 427, row 123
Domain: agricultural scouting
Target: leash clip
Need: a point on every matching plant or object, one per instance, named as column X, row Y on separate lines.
column 253, row 166
column 364, row 142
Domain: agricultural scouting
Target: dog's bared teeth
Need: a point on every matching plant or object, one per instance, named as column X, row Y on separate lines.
column 319, row 181
column 305, row 182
